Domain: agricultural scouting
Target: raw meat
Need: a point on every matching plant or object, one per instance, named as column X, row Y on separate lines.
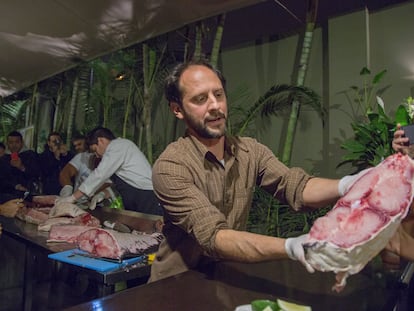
column 117, row 245
column 32, row 215
column 363, row 221
column 44, row 200
column 66, row 233
column 85, row 219
column 66, row 209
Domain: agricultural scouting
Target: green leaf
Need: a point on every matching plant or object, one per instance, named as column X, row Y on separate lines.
column 378, row 77
column 401, row 116
column 364, row 71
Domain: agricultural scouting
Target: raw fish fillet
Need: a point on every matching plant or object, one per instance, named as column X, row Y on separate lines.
column 363, row 221
column 66, row 233
column 113, row 244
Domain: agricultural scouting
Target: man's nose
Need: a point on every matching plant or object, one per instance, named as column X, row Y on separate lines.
column 213, row 103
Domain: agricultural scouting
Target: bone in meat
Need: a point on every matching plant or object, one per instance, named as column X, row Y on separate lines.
column 363, row 221
column 113, row 244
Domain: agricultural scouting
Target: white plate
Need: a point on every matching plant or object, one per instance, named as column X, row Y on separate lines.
column 244, row 308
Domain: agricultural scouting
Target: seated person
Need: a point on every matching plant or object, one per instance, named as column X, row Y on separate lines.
column 2, row 149
column 20, row 167
column 79, row 143
column 52, row 160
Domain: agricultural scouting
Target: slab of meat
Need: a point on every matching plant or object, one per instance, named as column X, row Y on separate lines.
column 44, row 200
column 117, row 245
column 85, row 219
column 32, row 215
column 66, row 209
column 66, row 233
column 363, row 221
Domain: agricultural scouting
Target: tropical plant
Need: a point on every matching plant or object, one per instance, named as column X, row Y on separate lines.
column 374, row 129
column 12, row 115
column 276, row 101
column 372, row 141
column 361, row 99
column 268, row 216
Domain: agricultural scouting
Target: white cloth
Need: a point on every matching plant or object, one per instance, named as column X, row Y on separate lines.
column 123, row 158
column 97, row 198
column 81, row 163
column 66, row 191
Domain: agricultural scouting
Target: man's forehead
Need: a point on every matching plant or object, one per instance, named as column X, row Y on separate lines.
column 14, row 138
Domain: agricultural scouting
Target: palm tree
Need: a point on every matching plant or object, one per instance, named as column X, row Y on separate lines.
column 275, row 101
column 301, row 73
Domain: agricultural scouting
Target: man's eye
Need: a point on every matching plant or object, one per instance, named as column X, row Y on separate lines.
column 219, row 94
column 200, row 99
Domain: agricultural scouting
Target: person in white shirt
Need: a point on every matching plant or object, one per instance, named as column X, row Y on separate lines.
column 75, row 172
column 126, row 166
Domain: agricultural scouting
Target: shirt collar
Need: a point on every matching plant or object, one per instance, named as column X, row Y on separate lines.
column 231, row 145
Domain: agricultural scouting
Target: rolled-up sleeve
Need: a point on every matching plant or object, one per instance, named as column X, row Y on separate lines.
column 284, row 183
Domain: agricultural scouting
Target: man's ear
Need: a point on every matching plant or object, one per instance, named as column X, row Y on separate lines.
column 176, row 110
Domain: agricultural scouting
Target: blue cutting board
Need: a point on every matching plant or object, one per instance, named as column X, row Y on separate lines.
column 72, row 257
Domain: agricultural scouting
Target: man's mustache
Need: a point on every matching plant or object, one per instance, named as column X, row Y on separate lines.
column 216, row 115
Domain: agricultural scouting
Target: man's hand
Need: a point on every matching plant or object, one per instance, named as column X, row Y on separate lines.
column 17, row 163
column 66, row 191
column 97, row 198
column 347, row 181
column 10, row 208
column 295, row 251
column 400, row 142
column 69, row 199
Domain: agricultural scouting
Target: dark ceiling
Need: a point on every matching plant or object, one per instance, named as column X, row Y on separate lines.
column 39, row 39
column 269, row 18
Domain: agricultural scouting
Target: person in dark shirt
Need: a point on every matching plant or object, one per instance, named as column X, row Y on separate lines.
column 19, row 168
column 2, row 149
column 52, row 160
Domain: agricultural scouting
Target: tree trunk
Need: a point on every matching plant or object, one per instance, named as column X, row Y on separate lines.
column 148, row 70
column 301, row 73
column 215, row 50
column 127, row 107
column 198, row 41
column 72, row 110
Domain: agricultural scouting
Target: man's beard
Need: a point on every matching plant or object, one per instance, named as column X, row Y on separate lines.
column 203, row 130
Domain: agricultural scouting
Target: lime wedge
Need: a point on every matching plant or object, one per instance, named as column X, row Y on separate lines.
column 264, row 305
column 289, row 306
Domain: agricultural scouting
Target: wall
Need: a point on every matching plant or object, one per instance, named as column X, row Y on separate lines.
column 264, row 63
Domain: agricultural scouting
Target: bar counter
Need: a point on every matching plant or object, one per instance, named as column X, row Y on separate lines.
column 27, row 272
column 223, row 286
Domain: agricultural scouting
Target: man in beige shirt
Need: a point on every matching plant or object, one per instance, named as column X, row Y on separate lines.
column 205, row 181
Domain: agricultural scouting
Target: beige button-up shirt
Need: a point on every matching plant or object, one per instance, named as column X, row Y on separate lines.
column 201, row 195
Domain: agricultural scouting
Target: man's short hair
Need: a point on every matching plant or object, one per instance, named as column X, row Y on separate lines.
column 54, row 134
column 15, row 134
column 172, row 82
column 92, row 136
column 78, row 137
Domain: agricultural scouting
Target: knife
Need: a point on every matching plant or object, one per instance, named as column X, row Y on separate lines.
column 87, row 255
column 117, row 226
